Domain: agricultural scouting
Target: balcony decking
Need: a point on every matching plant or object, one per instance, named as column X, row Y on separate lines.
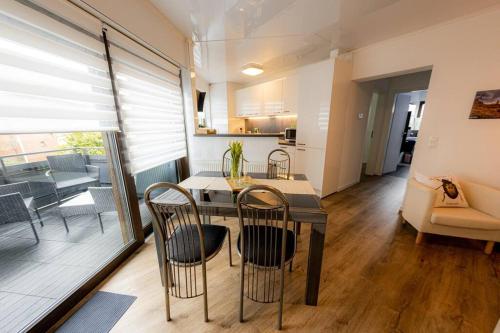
column 34, row 277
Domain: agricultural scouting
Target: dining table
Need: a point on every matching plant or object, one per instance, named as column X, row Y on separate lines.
column 215, row 197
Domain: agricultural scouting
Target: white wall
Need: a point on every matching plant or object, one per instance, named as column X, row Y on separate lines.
column 218, row 107
column 465, row 57
column 145, row 21
column 205, row 152
column 202, row 85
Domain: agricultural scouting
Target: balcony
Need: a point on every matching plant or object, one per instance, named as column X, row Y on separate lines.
column 38, row 275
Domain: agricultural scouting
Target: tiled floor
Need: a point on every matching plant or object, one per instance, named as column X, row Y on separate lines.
column 34, row 277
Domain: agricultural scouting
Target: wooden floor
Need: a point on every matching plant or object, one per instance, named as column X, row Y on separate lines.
column 34, row 277
column 374, row 279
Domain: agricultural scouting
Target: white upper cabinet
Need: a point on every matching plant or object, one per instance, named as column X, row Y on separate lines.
column 249, row 101
column 268, row 98
column 315, row 93
column 291, row 94
column 272, row 97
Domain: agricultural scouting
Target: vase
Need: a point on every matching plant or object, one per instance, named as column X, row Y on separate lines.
column 235, row 168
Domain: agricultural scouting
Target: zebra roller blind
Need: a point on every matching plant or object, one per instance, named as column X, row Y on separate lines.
column 54, row 74
column 150, row 104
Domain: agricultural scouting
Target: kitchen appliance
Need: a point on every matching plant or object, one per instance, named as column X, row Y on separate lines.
column 290, row 134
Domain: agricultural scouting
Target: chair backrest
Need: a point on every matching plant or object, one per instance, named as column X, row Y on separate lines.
column 13, row 209
column 483, row 198
column 67, row 163
column 177, row 228
column 226, row 163
column 21, row 187
column 103, row 199
column 278, row 164
column 263, row 219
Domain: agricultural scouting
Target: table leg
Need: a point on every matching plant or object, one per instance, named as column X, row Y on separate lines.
column 316, row 245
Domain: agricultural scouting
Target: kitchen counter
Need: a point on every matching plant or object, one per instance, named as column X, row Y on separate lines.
column 253, row 135
column 286, row 143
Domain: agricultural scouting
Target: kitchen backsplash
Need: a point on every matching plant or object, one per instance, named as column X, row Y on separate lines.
column 270, row 125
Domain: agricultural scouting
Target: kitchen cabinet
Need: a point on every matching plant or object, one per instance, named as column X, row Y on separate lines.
column 249, row 101
column 268, row 98
column 314, row 99
column 291, row 94
column 310, row 161
column 272, row 97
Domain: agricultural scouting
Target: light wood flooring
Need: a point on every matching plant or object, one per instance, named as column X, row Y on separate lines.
column 374, row 279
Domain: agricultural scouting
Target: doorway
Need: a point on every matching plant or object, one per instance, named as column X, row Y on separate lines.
column 408, row 110
column 393, row 118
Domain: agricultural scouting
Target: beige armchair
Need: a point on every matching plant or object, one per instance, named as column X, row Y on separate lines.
column 480, row 221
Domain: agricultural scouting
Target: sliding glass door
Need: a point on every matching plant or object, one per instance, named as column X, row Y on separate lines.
column 64, row 216
column 88, row 120
column 62, row 219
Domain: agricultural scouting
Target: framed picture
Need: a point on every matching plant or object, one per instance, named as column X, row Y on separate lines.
column 486, row 105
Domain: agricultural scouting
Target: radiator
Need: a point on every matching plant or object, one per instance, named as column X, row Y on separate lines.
column 250, row 166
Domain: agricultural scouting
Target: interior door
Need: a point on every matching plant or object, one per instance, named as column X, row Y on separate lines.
column 393, row 151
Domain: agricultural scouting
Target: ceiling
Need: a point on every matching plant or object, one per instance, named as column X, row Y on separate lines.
column 283, row 34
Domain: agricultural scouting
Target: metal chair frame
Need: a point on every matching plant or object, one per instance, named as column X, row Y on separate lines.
column 274, row 166
column 252, row 216
column 164, row 226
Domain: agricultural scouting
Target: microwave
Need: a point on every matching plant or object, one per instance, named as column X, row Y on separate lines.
column 290, row 134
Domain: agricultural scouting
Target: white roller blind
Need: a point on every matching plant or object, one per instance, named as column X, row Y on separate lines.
column 150, row 98
column 54, row 74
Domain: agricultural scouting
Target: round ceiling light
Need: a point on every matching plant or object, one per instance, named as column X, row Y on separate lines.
column 252, row 69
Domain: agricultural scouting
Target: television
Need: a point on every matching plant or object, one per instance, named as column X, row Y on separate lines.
column 200, row 96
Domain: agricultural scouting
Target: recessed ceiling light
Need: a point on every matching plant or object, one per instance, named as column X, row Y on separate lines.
column 242, row 9
column 252, row 69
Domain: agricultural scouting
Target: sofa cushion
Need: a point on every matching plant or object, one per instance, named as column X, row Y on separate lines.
column 449, row 193
column 464, row 218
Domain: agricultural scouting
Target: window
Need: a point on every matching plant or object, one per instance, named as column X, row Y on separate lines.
column 59, row 154
column 54, row 77
column 151, row 114
column 151, row 109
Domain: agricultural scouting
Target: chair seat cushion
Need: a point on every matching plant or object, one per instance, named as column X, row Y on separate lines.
column 184, row 243
column 82, row 204
column 66, row 183
column 259, row 238
column 29, row 202
column 464, row 218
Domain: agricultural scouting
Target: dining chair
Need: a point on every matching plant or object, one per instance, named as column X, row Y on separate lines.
column 278, row 164
column 265, row 245
column 278, row 167
column 183, row 242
